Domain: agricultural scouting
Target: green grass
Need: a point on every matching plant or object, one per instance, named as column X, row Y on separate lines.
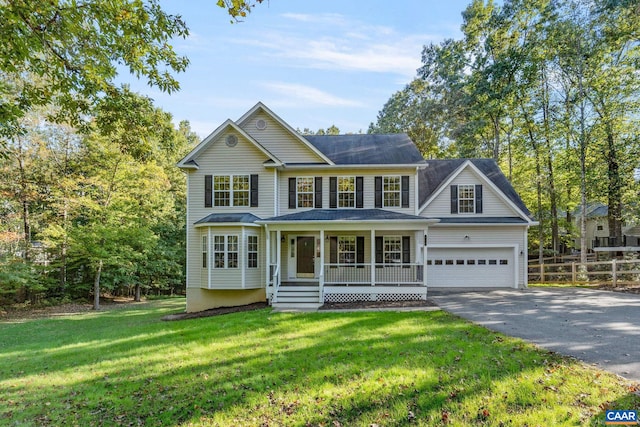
column 126, row 367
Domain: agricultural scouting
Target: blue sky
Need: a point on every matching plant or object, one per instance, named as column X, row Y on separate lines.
column 313, row 62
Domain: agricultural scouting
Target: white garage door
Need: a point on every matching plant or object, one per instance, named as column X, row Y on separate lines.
column 470, row 267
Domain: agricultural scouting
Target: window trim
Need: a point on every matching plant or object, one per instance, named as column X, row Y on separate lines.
column 385, row 252
column 352, row 241
column 250, row 251
column 470, row 201
column 385, row 191
column 311, row 192
column 225, row 252
column 352, row 192
column 205, row 251
column 231, row 197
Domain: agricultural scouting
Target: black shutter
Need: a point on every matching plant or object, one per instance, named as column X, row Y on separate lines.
column 208, row 191
column 333, row 192
column 359, row 192
column 292, row 193
column 318, row 191
column 454, row 199
column 478, row 198
column 360, row 251
column 378, row 191
column 405, row 191
column 379, row 253
column 406, row 249
column 333, row 250
column 254, row 191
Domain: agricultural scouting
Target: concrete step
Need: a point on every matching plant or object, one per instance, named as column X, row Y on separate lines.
column 296, row 306
column 298, row 299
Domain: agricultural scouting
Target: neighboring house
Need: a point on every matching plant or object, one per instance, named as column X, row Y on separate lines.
column 299, row 221
column 598, row 238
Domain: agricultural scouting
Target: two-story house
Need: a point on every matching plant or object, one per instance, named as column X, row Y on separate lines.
column 302, row 220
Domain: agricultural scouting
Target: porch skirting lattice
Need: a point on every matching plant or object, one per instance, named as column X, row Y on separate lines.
column 340, row 294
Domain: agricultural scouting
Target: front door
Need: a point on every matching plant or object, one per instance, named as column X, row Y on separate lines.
column 305, row 259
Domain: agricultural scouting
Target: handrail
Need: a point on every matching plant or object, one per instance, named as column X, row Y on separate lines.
column 275, row 284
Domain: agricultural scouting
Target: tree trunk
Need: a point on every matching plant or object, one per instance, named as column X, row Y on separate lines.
column 555, row 232
column 25, row 203
column 96, row 288
column 136, row 298
column 614, row 195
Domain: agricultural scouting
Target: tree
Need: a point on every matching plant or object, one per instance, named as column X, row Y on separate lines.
column 70, row 51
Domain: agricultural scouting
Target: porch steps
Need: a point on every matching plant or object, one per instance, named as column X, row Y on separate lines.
column 298, row 297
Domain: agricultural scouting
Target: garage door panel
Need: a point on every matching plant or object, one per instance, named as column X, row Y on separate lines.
column 470, row 267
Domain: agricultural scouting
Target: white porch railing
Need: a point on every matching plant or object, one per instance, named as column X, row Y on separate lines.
column 385, row 274
column 274, row 282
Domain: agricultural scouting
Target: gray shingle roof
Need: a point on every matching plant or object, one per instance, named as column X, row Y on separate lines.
column 246, row 218
column 438, row 171
column 346, row 215
column 362, row 149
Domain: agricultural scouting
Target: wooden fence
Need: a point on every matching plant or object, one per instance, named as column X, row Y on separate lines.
column 615, row 272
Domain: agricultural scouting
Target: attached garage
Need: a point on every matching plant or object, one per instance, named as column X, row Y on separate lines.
column 471, row 267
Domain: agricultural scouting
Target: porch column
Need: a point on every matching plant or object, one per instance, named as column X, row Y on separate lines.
column 278, row 255
column 210, row 258
column 373, row 257
column 321, row 275
column 267, row 256
column 424, row 257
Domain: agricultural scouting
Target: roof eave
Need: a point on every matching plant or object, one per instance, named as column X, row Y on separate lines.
column 347, row 221
column 226, row 224
column 355, row 166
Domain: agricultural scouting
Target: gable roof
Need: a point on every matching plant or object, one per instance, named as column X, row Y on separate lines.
column 189, row 161
column 363, row 149
column 439, row 173
column 260, row 106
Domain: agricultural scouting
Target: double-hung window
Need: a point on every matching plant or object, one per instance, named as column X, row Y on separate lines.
column 391, row 191
column 252, row 251
column 221, row 190
column 231, row 190
column 346, row 191
column 205, row 251
column 225, row 251
column 304, row 191
column 466, row 198
column 347, row 249
column 392, row 249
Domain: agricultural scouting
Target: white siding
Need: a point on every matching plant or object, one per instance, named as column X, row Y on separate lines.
column 219, row 159
column 279, row 141
column 493, row 204
column 368, row 187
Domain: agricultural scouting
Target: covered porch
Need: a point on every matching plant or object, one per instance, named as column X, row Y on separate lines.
column 345, row 256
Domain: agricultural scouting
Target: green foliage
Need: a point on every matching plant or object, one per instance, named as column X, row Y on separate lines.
column 90, row 199
column 548, row 89
column 125, row 366
column 66, row 53
column 19, row 281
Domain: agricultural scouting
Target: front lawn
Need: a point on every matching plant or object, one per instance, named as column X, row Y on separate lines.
column 127, row 367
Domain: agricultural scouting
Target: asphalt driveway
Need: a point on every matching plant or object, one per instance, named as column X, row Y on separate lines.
column 598, row 327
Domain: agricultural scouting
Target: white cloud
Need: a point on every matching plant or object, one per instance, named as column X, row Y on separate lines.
column 351, row 45
column 297, row 94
